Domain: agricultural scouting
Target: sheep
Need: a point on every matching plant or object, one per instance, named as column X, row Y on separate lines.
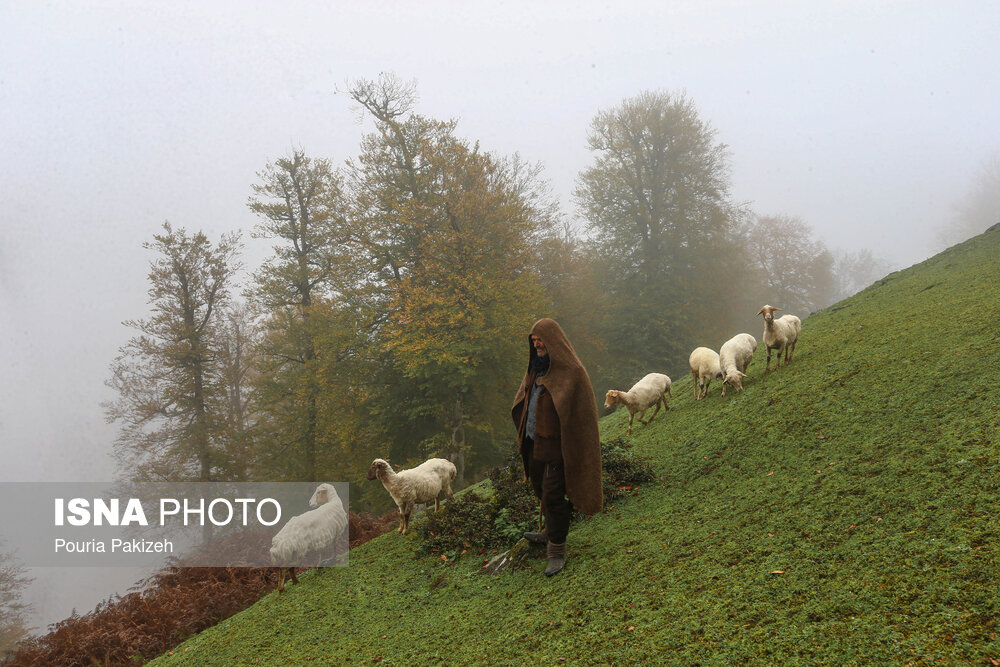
column 734, row 357
column 416, row 485
column 309, row 532
column 704, row 367
column 644, row 394
column 780, row 335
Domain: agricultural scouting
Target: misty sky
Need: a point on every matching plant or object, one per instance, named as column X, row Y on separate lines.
column 869, row 121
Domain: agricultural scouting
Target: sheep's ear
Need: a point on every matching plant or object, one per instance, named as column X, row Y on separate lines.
column 742, row 374
column 776, row 308
column 760, row 311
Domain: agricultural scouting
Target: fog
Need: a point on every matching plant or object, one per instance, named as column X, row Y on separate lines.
column 866, row 120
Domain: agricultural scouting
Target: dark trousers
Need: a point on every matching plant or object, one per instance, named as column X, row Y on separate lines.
column 548, row 480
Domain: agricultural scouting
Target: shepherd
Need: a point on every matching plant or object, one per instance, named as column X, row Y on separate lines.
column 556, row 418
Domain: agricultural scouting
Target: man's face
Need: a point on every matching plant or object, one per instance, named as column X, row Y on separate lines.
column 539, row 346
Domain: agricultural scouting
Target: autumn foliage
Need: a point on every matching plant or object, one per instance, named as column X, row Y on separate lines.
column 168, row 607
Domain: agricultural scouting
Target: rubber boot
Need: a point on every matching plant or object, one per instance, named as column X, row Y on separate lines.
column 537, row 538
column 557, row 558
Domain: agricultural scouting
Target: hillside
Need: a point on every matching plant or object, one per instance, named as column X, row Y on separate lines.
column 842, row 510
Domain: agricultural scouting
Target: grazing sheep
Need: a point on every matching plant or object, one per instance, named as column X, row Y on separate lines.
column 780, row 335
column 644, row 394
column 734, row 357
column 416, row 485
column 704, row 367
column 310, row 532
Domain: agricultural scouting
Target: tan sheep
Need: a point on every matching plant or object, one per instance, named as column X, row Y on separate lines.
column 779, row 334
column 644, row 394
column 417, row 485
column 734, row 357
column 704, row 368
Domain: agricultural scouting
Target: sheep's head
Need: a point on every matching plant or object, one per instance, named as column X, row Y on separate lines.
column 378, row 466
column 322, row 495
column 768, row 312
column 611, row 398
column 735, row 380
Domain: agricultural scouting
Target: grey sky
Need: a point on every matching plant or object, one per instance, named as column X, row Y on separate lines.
column 867, row 120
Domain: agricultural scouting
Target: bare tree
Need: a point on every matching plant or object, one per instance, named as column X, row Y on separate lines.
column 980, row 209
column 854, row 271
column 797, row 270
column 13, row 610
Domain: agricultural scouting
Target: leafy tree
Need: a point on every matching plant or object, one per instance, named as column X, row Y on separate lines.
column 797, row 270
column 168, row 381
column 570, row 282
column 238, row 347
column 656, row 202
column 14, row 611
column 301, row 205
column 447, row 232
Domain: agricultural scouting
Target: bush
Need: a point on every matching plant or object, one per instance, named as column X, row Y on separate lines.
column 474, row 523
column 168, row 607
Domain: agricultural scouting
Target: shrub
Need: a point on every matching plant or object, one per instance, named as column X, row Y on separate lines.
column 479, row 523
column 171, row 605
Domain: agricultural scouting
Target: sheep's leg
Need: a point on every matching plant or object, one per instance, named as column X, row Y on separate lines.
column 291, row 571
column 642, row 414
column 665, row 406
column 437, row 503
column 694, row 383
column 767, row 369
column 281, row 580
column 654, row 412
column 631, row 415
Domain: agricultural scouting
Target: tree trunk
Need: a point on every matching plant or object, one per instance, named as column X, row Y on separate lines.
column 457, row 455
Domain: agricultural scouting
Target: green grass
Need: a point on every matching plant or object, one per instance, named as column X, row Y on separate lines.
column 866, row 472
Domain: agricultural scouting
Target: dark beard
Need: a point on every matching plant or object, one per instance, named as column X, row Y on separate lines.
column 540, row 364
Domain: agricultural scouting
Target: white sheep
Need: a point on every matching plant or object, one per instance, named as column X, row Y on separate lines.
column 311, row 532
column 779, row 334
column 416, row 485
column 644, row 394
column 704, row 368
column 734, row 357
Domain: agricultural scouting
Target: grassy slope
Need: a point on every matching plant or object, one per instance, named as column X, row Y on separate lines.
column 866, row 471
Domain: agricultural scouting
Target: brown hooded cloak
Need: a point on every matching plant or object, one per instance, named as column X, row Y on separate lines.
column 568, row 383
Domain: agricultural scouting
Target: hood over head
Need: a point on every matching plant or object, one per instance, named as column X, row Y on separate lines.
column 573, row 396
